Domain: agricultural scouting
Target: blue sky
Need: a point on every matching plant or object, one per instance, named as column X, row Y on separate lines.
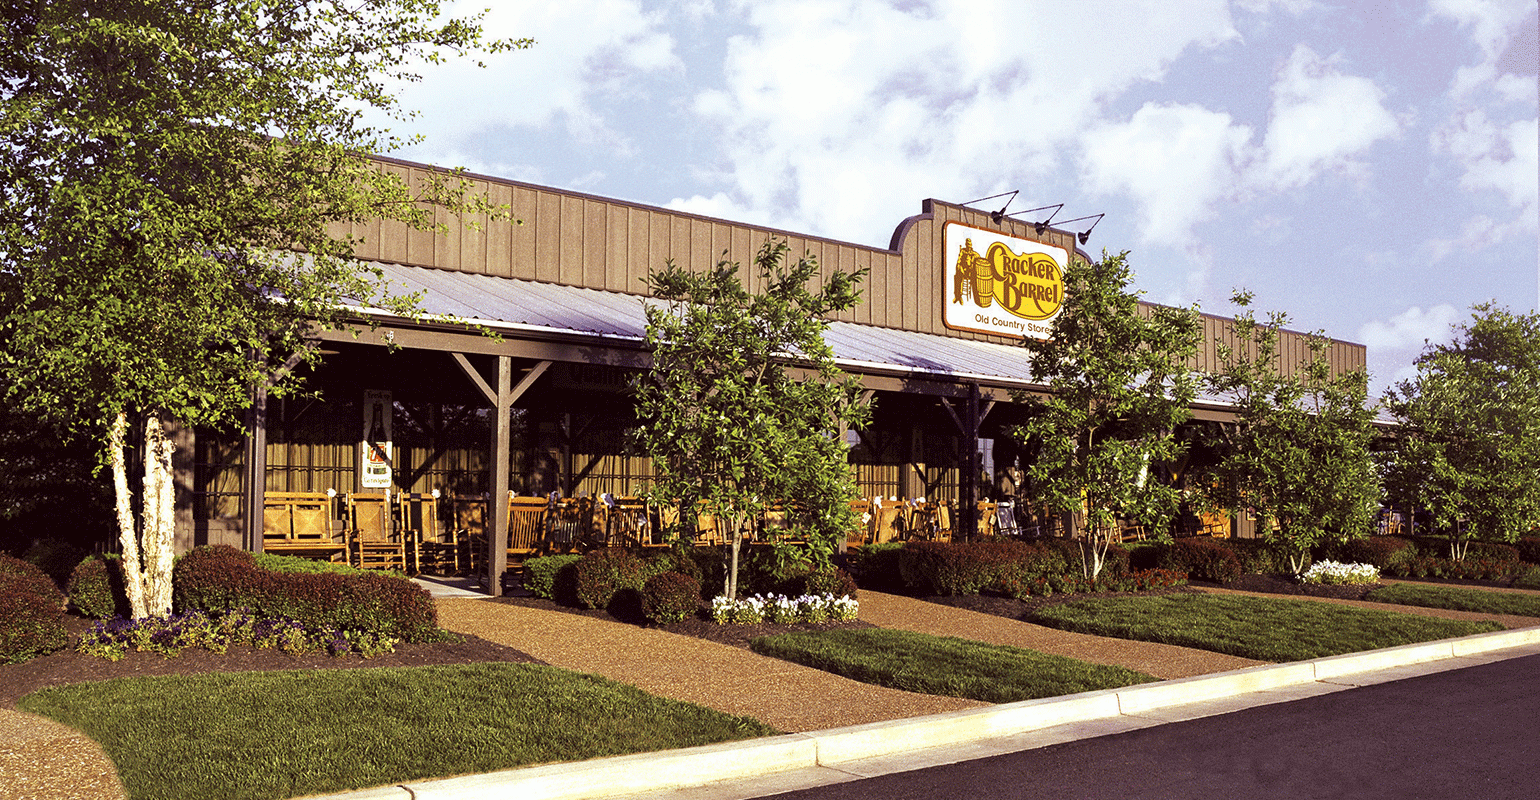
column 1368, row 167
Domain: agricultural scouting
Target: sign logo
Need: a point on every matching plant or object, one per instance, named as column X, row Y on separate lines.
column 1000, row 284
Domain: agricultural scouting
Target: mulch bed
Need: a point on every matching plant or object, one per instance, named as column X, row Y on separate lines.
column 67, row 666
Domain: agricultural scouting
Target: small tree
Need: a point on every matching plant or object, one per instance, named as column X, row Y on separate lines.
column 1119, row 385
column 1298, row 451
column 1468, row 448
column 743, row 403
column 163, row 163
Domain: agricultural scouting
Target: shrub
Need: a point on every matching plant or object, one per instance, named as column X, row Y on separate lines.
column 1202, row 559
column 1529, row 549
column 710, row 567
column 553, row 577
column 1529, row 578
column 55, row 557
column 876, row 567
column 31, row 612
column 1493, row 551
column 1385, row 552
column 1259, row 556
column 1472, row 567
column 603, row 574
column 831, row 581
column 95, row 588
column 1033, row 569
column 222, row 578
column 670, row 597
column 277, row 563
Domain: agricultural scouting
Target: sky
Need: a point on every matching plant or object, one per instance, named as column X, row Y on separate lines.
column 1369, row 168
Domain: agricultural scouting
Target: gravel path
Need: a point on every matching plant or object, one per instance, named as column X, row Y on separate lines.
column 41, row 760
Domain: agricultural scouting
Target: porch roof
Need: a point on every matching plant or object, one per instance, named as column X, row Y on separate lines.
column 513, row 306
column 572, row 314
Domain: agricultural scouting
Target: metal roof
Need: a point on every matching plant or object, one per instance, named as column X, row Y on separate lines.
column 513, row 304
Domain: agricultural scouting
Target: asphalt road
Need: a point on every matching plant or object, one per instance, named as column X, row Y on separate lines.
column 1467, row 733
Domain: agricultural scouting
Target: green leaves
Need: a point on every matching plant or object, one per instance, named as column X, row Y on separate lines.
column 1468, row 448
column 743, row 403
column 163, row 163
column 1120, row 386
column 1298, row 451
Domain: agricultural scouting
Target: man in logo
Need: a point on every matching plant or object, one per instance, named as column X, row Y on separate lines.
column 973, row 277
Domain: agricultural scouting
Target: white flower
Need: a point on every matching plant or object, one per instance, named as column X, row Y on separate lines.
column 1336, row 573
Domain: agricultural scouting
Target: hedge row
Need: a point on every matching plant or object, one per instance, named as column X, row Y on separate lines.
column 1011, row 567
column 603, row 578
column 31, row 612
column 221, row 578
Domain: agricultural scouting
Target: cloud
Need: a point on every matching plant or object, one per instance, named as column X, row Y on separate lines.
column 582, row 51
column 840, row 117
column 1177, row 161
column 1394, row 343
column 1411, row 328
column 1493, row 26
column 1499, row 157
column 1320, row 119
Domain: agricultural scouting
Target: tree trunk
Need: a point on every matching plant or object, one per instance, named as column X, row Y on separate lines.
column 148, row 547
column 128, row 536
column 159, row 530
column 737, row 546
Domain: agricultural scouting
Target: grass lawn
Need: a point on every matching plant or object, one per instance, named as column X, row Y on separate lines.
column 1265, row 629
column 1458, row 599
column 282, row 734
column 943, row 665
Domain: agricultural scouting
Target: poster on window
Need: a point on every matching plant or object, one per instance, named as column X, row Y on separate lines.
column 375, row 451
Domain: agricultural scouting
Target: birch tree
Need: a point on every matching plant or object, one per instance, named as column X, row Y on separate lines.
column 742, row 406
column 163, row 161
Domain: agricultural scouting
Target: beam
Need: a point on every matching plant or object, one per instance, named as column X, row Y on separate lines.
column 597, row 352
column 475, row 376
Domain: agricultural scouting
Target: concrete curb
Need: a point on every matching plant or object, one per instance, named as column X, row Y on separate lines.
column 696, row 766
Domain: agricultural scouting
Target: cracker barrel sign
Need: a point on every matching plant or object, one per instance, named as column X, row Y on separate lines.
column 1001, row 284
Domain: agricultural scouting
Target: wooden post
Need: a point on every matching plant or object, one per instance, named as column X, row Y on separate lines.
column 256, row 467
column 501, row 399
column 497, row 503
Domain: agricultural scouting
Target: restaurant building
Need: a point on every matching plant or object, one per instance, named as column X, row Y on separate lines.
column 936, row 340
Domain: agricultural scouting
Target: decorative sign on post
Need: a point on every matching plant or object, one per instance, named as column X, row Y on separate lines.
column 1001, row 284
column 375, row 450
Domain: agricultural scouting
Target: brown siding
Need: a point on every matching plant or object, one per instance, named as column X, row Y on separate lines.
column 581, row 240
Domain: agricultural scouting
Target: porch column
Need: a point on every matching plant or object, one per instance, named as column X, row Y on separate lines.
column 256, row 467
column 501, row 399
column 968, row 425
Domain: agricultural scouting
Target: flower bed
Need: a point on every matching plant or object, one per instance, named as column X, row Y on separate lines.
column 780, row 609
column 1336, row 573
